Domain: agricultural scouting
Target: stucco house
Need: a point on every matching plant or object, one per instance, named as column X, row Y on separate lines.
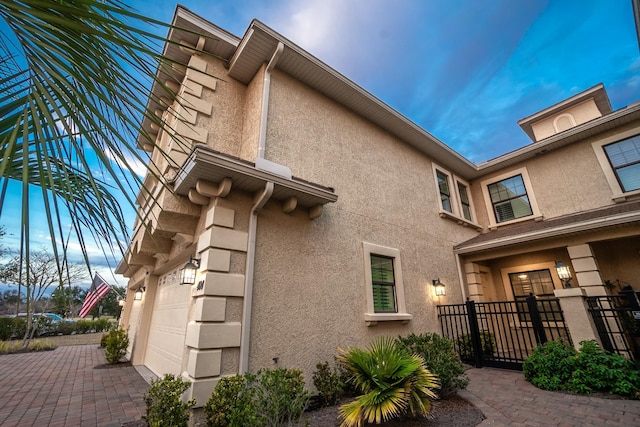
column 318, row 217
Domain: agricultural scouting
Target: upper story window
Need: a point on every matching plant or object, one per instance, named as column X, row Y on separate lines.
column 445, row 190
column 384, row 285
column 509, row 198
column 620, row 162
column 453, row 193
column 624, row 157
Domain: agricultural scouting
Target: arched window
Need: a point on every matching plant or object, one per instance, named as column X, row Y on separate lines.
column 563, row 122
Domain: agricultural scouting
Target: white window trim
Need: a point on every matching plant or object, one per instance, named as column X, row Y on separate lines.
column 618, row 194
column 456, row 204
column 371, row 317
column 493, row 223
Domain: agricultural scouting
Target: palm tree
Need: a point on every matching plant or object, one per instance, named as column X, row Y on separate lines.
column 74, row 79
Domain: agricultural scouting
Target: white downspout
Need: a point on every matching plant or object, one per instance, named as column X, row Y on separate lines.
column 259, row 203
column 265, row 99
column 461, row 278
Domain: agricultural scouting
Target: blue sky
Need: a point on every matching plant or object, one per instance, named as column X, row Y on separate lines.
column 464, row 70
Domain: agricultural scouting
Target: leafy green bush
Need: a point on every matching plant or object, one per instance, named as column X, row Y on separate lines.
column 269, row 398
column 465, row 345
column 66, row 327
column 328, row 382
column 102, row 324
column 10, row 328
column 558, row 366
column 84, row 326
column 103, row 340
column 393, row 383
column 116, row 345
column 550, row 365
column 440, row 358
column 165, row 406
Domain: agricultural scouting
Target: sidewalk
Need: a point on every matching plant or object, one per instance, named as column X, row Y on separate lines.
column 63, row 387
column 507, row 399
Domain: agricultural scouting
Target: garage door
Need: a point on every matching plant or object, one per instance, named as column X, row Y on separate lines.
column 165, row 347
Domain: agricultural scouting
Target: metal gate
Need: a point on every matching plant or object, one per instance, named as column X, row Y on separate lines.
column 502, row 334
column 617, row 320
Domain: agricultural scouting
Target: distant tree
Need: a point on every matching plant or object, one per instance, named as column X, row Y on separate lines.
column 8, row 301
column 44, row 273
column 66, row 300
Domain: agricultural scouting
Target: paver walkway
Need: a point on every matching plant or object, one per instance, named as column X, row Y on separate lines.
column 507, row 399
column 63, row 388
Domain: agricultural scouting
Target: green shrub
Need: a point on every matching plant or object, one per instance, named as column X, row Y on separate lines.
column 102, row 324
column 232, row 403
column 550, row 366
column 558, row 366
column 103, row 340
column 328, row 382
column 84, row 326
column 116, row 345
column 393, row 384
column 8, row 347
column 66, row 327
column 165, row 406
column 465, row 345
column 9, row 327
column 440, row 358
column 269, row 398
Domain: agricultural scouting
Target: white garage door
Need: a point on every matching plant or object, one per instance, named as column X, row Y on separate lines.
column 165, row 347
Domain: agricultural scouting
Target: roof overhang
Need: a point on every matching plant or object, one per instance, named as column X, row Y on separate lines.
column 558, row 227
column 597, row 93
column 209, row 165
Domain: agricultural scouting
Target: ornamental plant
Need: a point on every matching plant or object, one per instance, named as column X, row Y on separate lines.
column 116, row 345
column 392, row 383
column 165, row 406
column 328, row 382
column 440, row 358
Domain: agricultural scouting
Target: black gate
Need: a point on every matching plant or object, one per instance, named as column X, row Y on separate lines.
column 617, row 320
column 502, row 334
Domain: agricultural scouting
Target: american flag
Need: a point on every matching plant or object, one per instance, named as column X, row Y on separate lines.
column 99, row 289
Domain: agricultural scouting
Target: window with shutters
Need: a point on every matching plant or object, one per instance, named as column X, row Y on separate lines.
column 624, row 158
column 383, row 285
column 509, row 198
column 620, row 162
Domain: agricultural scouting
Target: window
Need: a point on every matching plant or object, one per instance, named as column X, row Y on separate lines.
column 465, row 202
column 454, row 196
column 509, row 199
column 538, row 283
column 383, row 285
column 445, row 193
column 624, row 157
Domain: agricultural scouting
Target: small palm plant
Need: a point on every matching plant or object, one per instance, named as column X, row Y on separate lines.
column 393, row 383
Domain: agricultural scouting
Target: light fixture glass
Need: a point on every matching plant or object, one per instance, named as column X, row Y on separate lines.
column 138, row 295
column 188, row 272
column 439, row 288
column 564, row 273
column 121, row 302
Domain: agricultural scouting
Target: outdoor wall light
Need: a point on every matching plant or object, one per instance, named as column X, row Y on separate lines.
column 188, row 272
column 564, row 273
column 438, row 288
column 121, row 302
column 138, row 294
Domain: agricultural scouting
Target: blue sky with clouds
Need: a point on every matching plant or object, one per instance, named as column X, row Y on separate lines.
column 464, row 70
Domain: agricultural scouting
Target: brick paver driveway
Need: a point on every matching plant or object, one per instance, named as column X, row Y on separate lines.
column 69, row 386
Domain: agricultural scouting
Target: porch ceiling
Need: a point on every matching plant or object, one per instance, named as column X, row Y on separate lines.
column 619, row 214
column 207, row 164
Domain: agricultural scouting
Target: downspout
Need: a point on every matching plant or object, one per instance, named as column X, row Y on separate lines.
column 265, row 99
column 461, row 278
column 259, row 203
column 261, row 200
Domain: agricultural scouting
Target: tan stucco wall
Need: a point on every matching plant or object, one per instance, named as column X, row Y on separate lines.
column 581, row 113
column 619, row 260
column 309, row 291
column 564, row 181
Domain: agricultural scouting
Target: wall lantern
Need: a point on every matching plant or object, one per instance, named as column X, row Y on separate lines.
column 121, row 302
column 564, row 273
column 438, row 288
column 138, row 294
column 188, row 272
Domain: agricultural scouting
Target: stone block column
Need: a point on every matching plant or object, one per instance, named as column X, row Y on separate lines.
column 474, row 282
column 210, row 333
column 586, row 269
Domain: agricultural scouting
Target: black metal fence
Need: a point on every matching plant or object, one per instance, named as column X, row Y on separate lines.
column 617, row 320
column 502, row 334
